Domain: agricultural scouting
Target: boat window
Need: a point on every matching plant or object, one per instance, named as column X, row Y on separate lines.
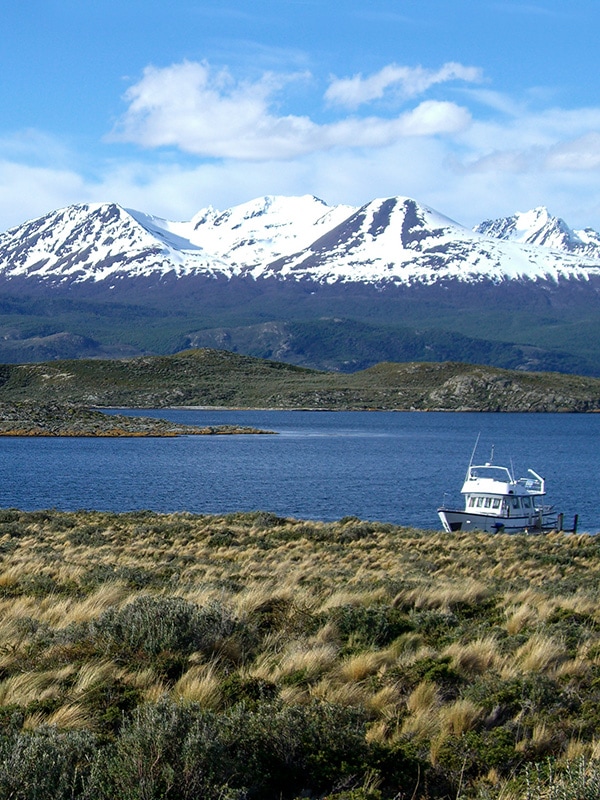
column 488, row 502
column 480, row 501
column 515, row 502
column 526, row 502
column 496, row 503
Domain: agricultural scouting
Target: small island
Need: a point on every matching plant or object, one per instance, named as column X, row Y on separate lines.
column 54, row 419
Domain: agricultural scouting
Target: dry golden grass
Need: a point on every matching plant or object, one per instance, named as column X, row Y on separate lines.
column 200, row 685
column 378, row 732
column 312, row 660
column 140, row 679
column 539, row 654
column 113, row 593
column 475, row 658
column 519, row 617
column 444, row 595
column 423, row 698
column 94, row 674
column 345, row 694
column 72, row 716
column 10, row 577
column 29, row 687
column 459, row 717
column 362, row 665
column 341, row 598
column 385, row 703
column 154, row 692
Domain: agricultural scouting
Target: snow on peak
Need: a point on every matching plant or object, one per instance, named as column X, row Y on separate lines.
column 539, row 227
column 389, row 240
column 254, row 233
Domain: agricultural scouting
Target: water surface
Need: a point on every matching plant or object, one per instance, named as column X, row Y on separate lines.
column 391, row 466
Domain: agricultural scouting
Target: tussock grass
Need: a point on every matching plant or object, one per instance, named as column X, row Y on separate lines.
column 477, row 657
column 25, row 688
column 474, row 654
column 362, row 665
column 540, row 654
column 73, row 716
column 200, row 685
column 459, row 717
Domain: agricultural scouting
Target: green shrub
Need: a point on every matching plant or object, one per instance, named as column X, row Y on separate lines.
column 433, row 670
column 576, row 780
column 371, row 625
column 152, row 625
column 438, row 627
column 46, row 764
column 475, row 753
column 289, row 750
column 267, row 752
column 235, row 689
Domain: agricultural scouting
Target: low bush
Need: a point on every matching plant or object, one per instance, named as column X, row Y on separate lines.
column 370, row 625
column 152, row 625
column 266, row 752
column 46, row 764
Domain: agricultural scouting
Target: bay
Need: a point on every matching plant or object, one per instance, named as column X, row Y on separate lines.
column 388, row 466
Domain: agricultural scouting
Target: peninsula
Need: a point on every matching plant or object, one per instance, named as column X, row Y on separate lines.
column 27, row 418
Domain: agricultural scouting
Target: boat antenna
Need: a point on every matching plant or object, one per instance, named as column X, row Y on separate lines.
column 492, row 455
column 473, row 454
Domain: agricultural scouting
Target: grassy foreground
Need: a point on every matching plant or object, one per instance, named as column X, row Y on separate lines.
column 248, row 656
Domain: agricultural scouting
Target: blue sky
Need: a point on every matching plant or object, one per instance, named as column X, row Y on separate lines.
column 473, row 107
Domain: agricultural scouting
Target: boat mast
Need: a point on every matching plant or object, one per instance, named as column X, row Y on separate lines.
column 472, row 457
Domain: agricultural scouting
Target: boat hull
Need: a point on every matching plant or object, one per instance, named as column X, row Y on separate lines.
column 454, row 520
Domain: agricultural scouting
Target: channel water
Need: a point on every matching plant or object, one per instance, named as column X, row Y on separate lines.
column 388, row 466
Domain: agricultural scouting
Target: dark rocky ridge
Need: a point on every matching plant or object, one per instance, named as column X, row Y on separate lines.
column 53, row 419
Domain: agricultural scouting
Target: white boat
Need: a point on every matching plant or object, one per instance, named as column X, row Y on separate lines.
column 496, row 502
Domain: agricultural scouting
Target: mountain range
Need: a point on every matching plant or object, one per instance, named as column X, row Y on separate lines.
column 334, row 287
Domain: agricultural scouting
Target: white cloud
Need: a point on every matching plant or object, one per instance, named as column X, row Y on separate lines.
column 27, row 192
column 489, row 157
column 579, row 154
column 206, row 113
column 409, row 81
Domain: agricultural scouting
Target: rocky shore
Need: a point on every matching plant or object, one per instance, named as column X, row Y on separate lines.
column 53, row 419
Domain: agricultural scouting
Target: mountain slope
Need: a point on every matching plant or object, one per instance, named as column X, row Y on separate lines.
column 98, row 243
column 101, row 280
column 538, row 227
column 347, row 345
column 396, row 240
column 387, row 241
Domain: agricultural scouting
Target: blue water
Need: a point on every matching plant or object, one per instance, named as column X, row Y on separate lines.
column 396, row 467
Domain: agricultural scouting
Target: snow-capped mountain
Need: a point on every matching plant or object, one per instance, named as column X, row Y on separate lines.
column 357, row 285
column 390, row 241
column 96, row 242
column 397, row 241
column 256, row 233
column 538, row 227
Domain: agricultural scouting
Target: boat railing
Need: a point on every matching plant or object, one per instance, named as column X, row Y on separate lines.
column 489, row 471
column 534, row 485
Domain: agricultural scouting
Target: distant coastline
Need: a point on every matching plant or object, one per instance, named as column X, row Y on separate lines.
column 218, row 379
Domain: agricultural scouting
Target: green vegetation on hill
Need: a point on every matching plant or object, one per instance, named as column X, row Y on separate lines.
column 221, row 378
column 252, row 657
column 349, row 345
column 331, row 328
